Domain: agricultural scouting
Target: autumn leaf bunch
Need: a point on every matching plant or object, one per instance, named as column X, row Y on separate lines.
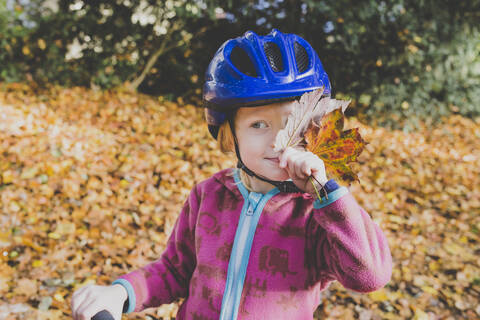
column 316, row 124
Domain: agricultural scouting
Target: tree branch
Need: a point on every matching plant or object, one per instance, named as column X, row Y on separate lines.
column 159, row 52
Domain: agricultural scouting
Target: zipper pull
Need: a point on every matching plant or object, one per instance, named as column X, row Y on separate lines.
column 253, row 200
column 250, row 210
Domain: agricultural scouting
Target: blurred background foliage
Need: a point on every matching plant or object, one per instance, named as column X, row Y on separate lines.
column 399, row 61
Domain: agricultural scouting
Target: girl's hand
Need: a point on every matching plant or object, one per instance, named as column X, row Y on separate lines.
column 91, row 299
column 300, row 165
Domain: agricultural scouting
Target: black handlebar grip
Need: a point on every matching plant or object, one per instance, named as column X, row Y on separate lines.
column 103, row 315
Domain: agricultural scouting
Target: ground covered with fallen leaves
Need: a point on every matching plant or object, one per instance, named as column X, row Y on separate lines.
column 91, row 183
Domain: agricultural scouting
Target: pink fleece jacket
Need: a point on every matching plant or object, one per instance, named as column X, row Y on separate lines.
column 299, row 246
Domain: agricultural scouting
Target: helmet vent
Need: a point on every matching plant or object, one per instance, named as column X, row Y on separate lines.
column 242, row 62
column 274, row 56
column 301, row 57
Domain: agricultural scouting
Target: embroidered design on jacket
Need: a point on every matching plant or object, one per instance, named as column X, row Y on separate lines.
column 226, row 200
column 274, row 260
column 289, row 231
column 223, row 253
column 209, row 223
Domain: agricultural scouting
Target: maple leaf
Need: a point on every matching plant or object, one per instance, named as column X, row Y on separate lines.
column 310, row 107
column 334, row 146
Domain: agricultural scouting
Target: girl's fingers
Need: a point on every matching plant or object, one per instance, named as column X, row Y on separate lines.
column 78, row 299
column 297, row 163
column 306, row 169
column 293, row 164
column 301, row 164
column 285, row 156
column 306, row 164
column 80, row 291
column 88, row 301
column 319, row 172
column 80, row 314
column 302, row 167
column 88, row 310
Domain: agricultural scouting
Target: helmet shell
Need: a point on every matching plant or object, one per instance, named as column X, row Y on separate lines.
column 254, row 70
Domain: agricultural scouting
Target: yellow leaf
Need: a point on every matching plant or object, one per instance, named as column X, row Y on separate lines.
column 87, row 281
column 58, row 297
column 5, row 239
column 123, row 183
column 157, row 237
column 37, row 263
column 420, row 314
column 7, row 177
column 78, row 214
column 430, row 290
column 412, row 48
column 396, row 219
column 54, row 235
column 378, row 295
column 26, row 50
column 433, row 266
column 28, row 242
column 127, row 242
column 41, row 44
column 453, row 248
column 390, row 195
column 14, row 206
column 65, row 228
column 49, row 171
column 29, row 173
column 94, row 233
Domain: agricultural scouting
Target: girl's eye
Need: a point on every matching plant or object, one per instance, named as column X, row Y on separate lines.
column 259, row 125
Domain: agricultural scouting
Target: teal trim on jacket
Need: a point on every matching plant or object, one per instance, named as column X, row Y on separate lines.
column 237, row 266
column 131, row 294
column 332, row 197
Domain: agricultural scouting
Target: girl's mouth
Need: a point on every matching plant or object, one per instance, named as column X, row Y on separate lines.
column 273, row 159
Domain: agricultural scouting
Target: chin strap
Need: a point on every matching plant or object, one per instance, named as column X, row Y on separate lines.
column 283, row 186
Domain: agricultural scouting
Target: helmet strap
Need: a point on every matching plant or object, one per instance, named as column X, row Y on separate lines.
column 283, row 186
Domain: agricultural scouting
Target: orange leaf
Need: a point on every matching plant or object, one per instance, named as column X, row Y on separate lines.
column 334, row 146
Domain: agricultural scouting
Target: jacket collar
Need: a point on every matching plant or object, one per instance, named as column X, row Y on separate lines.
column 226, row 178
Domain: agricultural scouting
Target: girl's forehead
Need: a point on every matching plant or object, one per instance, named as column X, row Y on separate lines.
column 278, row 109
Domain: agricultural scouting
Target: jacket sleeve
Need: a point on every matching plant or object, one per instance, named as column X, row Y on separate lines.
column 354, row 251
column 165, row 280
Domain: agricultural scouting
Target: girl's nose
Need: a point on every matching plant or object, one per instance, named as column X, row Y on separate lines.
column 273, row 138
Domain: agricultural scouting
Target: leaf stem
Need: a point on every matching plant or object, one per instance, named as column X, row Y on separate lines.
column 316, row 190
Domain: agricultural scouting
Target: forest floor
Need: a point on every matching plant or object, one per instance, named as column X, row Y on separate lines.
column 91, row 183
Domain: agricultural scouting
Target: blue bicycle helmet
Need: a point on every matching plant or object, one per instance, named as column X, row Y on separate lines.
column 255, row 70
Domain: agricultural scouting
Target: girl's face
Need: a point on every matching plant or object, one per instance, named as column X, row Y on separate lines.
column 256, row 129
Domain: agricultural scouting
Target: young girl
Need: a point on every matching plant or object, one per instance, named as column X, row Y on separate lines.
column 255, row 242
